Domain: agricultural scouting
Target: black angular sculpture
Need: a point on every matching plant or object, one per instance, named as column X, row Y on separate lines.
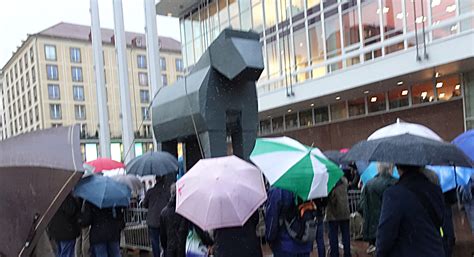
column 216, row 100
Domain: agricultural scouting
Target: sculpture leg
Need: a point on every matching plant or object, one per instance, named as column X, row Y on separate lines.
column 191, row 152
column 170, row 147
column 213, row 143
column 244, row 143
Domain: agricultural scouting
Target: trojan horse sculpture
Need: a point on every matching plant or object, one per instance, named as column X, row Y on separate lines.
column 216, row 101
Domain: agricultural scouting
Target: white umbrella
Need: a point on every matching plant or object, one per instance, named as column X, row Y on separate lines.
column 401, row 127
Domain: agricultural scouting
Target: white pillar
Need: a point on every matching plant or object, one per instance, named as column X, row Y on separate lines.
column 153, row 53
column 104, row 133
column 121, row 51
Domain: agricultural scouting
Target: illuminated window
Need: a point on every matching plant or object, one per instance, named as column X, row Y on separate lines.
column 442, row 10
column 398, row 97
column 371, row 26
column 356, row 107
column 423, row 92
column 270, row 13
column 448, row 87
column 350, row 24
column 257, row 17
column 306, row 118
column 338, row 110
column 376, row 103
column 392, row 15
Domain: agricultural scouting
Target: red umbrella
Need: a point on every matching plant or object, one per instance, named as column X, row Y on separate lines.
column 102, row 164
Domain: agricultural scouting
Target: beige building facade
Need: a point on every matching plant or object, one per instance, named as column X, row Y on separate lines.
column 50, row 82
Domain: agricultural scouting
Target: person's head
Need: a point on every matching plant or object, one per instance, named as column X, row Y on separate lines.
column 385, row 169
column 402, row 169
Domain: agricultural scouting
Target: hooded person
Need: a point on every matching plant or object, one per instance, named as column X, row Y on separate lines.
column 411, row 217
column 371, row 201
column 155, row 201
column 170, row 234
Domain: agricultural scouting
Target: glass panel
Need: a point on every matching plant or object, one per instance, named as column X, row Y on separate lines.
column 270, row 13
column 277, row 124
column 78, row 93
column 233, row 8
column 190, row 54
column 413, row 9
column 356, row 107
column 272, row 56
column 265, row 126
column 188, row 29
column 50, row 52
column 333, row 36
column 213, row 15
column 285, row 52
column 301, row 53
column 53, row 92
column 306, row 118
column 338, row 110
column 422, row 92
column 466, row 6
column 448, row 87
column 371, row 26
column 350, row 24
column 398, row 98
column 316, row 48
column 312, row 3
column 291, row 121
column 442, row 10
column 245, row 20
column 196, row 25
column 284, row 10
column 376, row 103
column 393, row 22
column 297, row 6
column 52, row 71
column 244, row 5
column 257, row 17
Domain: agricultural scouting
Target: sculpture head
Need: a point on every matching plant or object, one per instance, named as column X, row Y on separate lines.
column 237, row 54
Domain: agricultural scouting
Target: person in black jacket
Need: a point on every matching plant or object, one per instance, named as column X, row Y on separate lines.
column 106, row 225
column 238, row 241
column 170, row 222
column 155, row 201
column 411, row 217
column 64, row 227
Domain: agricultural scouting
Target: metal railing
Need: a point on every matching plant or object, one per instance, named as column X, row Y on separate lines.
column 135, row 233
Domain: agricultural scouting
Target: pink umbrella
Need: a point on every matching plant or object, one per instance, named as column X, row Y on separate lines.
column 220, row 192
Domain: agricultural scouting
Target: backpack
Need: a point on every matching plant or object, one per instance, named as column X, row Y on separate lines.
column 301, row 223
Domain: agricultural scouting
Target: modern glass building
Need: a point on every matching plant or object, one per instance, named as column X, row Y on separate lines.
column 335, row 70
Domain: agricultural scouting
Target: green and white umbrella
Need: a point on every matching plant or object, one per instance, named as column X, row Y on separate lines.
column 290, row 165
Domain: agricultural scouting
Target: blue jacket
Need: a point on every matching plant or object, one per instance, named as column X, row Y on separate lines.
column 406, row 228
column 278, row 203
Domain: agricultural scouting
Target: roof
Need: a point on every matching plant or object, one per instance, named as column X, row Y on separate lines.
column 81, row 32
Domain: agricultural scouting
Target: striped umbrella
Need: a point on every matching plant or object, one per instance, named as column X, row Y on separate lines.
column 290, row 165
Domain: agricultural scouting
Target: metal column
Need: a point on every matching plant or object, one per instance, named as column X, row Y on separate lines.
column 121, row 51
column 104, row 133
column 153, row 53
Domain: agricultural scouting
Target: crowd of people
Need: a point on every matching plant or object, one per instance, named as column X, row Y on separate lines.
column 406, row 217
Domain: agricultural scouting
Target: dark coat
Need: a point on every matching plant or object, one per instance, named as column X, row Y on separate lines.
column 338, row 202
column 170, row 232
column 238, row 241
column 371, row 203
column 406, row 227
column 156, row 199
column 279, row 203
column 65, row 225
column 106, row 224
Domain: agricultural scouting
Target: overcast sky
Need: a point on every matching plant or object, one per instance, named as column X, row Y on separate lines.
column 21, row 17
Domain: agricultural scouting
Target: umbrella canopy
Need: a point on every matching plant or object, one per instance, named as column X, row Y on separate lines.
column 409, row 150
column 129, row 180
column 451, row 177
column 465, row 141
column 290, row 165
column 153, row 163
column 103, row 192
column 401, row 127
column 334, row 155
column 220, row 192
column 37, row 171
column 105, row 164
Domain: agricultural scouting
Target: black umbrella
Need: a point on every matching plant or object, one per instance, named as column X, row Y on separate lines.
column 409, row 150
column 153, row 163
column 335, row 156
column 37, row 171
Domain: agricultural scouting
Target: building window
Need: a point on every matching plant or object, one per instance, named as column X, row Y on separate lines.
column 52, row 72
column 376, row 103
column 78, row 93
column 56, row 125
column 163, row 63
column 371, row 26
column 448, row 87
column 265, row 126
column 301, row 53
column 179, row 65
column 76, row 74
column 75, row 54
column 277, row 124
column 145, row 113
column 144, row 96
column 50, row 52
column 33, row 75
column 398, row 97
column 141, row 61
column 350, row 24
column 32, row 55
column 164, row 79
column 80, row 111
column 25, row 58
column 356, row 107
column 143, row 79
column 36, row 113
column 423, row 93
column 257, row 16
column 291, row 121
column 55, row 111
column 53, row 92
column 338, row 110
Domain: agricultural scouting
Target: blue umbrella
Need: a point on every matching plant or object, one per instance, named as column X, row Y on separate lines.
column 371, row 171
column 448, row 180
column 103, row 192
column 465, row 141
